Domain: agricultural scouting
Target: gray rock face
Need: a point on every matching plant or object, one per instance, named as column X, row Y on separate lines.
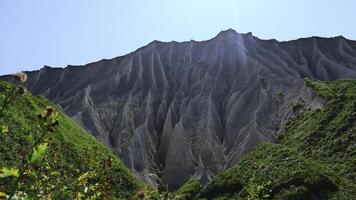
column 194, row 108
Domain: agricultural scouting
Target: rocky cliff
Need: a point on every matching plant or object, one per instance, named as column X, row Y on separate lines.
column 173, row 109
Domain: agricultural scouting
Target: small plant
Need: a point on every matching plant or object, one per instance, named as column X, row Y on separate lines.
column 258, row 191
column 148, row 193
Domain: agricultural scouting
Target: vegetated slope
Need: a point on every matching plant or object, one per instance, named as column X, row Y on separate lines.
column 194, row 108
column 315, row 157
column 73, row 163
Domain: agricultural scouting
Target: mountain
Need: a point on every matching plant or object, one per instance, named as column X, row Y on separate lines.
column 73, row 166
column 194, row 108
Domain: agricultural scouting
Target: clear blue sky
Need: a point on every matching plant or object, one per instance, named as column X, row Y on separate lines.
column 61, row 32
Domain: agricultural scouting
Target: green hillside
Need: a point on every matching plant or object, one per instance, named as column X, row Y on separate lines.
column 314, row 159
column 75, row 165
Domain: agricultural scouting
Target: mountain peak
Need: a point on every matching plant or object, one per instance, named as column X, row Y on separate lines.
column 231, row 33
column 228, row 32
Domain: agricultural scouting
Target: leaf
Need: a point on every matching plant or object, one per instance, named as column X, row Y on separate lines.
column 3, row 195
column 4, row 129
column 38, row 152
column 6, row 172
column 83, row 178
column 79, row 196
column 86, row 190
column 30, row 139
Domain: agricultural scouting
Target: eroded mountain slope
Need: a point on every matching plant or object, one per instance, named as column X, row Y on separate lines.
column 178, row 109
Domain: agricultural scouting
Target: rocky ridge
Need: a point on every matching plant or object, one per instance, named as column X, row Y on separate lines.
column 176, row 109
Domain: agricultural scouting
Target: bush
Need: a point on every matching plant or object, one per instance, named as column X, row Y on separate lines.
column 189, row 190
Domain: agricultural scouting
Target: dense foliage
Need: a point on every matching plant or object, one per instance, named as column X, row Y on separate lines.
column 314, row 159
column 328, row 135
column 271, row 171
column 45, row 155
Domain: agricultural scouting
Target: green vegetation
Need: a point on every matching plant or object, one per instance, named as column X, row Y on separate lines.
column 45, row 155
column 271, row 171
column 189, row 190
column 315, row 157
column 328, row 136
